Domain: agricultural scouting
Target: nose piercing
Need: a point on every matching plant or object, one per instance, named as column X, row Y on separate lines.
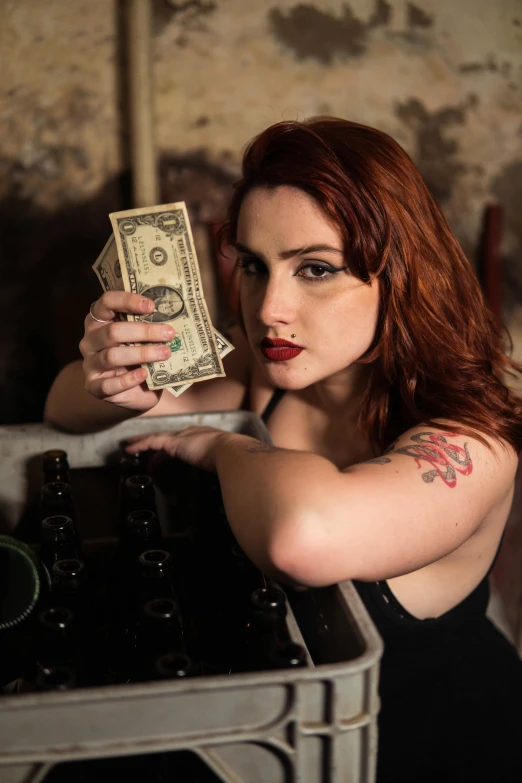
column 292, row 335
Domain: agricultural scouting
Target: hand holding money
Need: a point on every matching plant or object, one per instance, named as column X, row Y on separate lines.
column 152, row 254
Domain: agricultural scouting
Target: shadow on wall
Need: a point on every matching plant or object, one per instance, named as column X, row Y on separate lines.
column 48, row 283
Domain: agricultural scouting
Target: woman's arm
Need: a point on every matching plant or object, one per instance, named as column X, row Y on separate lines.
column 71, row 406
column 295, row 513
column 298, row 516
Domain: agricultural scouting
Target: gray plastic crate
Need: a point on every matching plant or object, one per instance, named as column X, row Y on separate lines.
column 313, row 725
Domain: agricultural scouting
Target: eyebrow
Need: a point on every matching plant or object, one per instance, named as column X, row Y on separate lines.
column 299, row 251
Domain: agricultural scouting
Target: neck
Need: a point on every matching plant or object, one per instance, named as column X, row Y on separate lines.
column 340, row 395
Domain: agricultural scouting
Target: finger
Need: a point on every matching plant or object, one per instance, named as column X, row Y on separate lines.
column 126, row 356
column 112, row 302
column 119, row 332
column 134, row 439
column 159, row 441
column 105, row 388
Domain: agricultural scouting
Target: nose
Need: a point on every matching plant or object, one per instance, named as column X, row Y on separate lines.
column 277, row 304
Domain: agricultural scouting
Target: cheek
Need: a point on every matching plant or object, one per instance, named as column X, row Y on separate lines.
column 354, row 315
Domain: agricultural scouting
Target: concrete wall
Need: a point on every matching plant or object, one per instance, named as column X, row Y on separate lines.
column 443, row 77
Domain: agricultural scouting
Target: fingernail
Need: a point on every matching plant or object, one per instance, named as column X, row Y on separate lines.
column 168, row 332
column 147, row 304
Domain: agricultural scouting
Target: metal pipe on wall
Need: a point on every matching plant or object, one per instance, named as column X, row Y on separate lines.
column 145, row 179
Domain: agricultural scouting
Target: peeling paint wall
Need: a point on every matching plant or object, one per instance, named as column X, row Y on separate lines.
column 444, row 78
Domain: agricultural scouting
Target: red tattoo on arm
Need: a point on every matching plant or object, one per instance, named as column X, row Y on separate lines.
column 446, row 459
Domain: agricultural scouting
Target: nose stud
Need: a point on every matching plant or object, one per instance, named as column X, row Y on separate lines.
column 292, row 335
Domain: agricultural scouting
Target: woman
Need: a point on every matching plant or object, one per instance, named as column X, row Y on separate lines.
column 364, row 331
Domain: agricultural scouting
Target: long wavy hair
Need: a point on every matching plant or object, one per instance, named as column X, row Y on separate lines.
column 438, row 352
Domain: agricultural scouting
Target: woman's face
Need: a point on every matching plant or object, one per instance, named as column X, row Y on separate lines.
column 294, row 280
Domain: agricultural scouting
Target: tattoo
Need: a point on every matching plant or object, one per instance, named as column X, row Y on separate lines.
column 377, row 461
column 446, row 459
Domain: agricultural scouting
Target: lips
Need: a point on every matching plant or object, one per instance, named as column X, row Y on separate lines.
column 278, row 350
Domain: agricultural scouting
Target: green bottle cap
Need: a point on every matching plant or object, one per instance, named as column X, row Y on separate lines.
column 19, row 581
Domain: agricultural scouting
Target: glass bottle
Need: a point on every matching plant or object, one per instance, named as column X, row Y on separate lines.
column 160, row 633
column 55, row 678
column 57, row 540
column 56, row 499
column 139, row 532
column 268, row 644
column 138, row 495
column 55, row 466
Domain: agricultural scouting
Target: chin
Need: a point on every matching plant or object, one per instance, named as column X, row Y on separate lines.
column 284, row 378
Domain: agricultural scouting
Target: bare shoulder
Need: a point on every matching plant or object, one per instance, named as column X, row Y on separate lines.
column 424, row 497
column 446, row 457
column 228, row 393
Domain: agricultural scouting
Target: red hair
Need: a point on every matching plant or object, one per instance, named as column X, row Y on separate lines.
column 437, row 351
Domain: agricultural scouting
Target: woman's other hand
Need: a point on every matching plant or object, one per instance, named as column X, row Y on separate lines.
column 113, row 350
column 195, row 445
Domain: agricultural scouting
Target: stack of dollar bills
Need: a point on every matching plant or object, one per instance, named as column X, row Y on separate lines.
column 152, row 253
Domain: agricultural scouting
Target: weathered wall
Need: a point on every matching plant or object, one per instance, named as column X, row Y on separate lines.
column 443, row 77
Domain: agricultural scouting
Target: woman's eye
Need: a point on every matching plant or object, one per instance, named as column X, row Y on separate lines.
column 316, row 272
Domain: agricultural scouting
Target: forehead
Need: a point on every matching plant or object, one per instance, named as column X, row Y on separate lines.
column 284, row 213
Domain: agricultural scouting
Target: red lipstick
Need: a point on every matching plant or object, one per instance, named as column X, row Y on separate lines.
column 279, row 350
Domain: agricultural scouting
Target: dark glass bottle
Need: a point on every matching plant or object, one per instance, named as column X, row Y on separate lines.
column 53, row 643
column 139, row 532
column 70, row 588
column 56, row 678
column 173, row 666
column 137, row 494
column 55, row 466
column 57, row 540
column 54, row 633
column 268, row 644
column 56, row 500
column 160, row 634
column 132, row 465
column 155, row 574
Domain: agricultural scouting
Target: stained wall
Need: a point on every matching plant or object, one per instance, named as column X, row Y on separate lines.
column 444, row 78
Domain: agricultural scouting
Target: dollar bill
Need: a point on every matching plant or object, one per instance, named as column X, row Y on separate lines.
column 107, row 267
column 110, row 274
column 158, row 260
column 224, row 348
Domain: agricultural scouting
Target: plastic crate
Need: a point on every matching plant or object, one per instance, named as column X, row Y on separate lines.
column 311, row 725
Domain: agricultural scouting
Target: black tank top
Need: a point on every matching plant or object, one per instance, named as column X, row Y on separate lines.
column 450, row 689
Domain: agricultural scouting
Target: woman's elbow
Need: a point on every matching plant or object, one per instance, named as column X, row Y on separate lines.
column 294, row 551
